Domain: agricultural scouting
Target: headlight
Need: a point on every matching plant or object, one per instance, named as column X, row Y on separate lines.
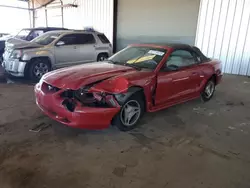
column 16, row 54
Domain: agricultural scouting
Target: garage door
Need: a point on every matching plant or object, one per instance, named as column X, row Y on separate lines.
column 224, row 33
column 156, row 21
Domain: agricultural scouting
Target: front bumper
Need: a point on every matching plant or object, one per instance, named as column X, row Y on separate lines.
column 82, row 117
column 14, row 67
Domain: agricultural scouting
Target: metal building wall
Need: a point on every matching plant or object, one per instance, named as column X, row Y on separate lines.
column 223, row 33
column 156, row 21
column 89, row 13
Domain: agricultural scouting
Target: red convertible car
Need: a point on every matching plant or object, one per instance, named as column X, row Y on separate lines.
column 138, row 79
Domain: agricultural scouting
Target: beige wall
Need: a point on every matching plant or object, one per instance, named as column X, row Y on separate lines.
column 156, row 21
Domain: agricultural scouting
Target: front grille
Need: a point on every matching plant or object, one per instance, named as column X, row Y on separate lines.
column 47, row 88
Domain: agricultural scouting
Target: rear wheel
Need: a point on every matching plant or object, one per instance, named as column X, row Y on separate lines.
column 102, row 57
column 208, row 91
column 38, row 68
column 130, row 113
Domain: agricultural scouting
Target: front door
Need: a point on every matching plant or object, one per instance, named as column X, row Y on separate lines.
column 177, row 79
column 67, row 53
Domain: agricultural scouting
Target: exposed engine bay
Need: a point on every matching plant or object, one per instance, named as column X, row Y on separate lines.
column 83, row 97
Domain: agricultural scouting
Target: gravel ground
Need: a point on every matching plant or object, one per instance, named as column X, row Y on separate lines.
column 189, row 145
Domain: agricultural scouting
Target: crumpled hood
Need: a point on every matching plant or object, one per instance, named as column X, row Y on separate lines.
column 81, row 75
column 20, row 44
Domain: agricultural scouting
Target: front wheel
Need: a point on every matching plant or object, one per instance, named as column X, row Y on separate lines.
column 38, row 68
column 208, row 91
column 130, row 113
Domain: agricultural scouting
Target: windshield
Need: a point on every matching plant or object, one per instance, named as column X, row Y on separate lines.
column 23, row 34
column 140, row 57
column 46, row 38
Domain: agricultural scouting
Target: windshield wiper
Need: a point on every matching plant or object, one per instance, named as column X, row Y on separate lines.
column 133, row 66
column 124, row 64
column 111, row 61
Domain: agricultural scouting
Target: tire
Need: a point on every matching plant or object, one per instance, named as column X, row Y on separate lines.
column 33, row 73
column 136, row 100
column 102, row 57
column 208, row 91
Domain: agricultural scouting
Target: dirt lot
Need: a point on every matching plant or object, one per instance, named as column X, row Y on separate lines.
column 193, row 145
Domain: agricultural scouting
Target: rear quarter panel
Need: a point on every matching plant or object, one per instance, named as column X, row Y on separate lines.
column 208, row 70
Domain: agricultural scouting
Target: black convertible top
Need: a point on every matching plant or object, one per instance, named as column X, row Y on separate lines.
column 188, row 47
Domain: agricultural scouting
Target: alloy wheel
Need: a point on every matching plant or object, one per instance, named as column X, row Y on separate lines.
column 209, row 90
column 40, row 69
column 130, row 113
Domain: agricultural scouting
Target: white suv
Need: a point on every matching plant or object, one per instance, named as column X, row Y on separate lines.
column 55, row 49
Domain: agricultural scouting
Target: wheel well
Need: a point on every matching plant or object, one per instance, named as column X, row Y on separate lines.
column 45, row 58
column 31, row 60
column 213, row 77
column 103, row 53
column 131, row 91
column 135, row 90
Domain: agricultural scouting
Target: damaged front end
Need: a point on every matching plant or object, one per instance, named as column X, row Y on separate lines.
column 87, row 98
column 81, row 108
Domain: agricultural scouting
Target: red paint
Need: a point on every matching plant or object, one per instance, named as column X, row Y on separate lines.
column 169, row 88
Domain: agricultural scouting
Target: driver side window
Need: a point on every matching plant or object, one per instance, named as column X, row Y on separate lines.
column 180, row 58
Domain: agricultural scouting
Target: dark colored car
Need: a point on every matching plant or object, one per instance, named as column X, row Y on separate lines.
column 26, row 34
column 118, row 91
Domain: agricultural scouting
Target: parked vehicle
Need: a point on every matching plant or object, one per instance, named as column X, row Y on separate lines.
column 3, row 34
column 24, row 35
column 118, row 91
column 55, row 49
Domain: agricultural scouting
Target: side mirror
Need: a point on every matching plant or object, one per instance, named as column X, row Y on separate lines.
column 60, row 43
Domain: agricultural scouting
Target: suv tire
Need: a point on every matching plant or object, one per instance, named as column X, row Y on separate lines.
column 102, row 57
column 37, row 68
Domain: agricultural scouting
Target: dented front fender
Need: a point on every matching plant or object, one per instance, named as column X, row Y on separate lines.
column 117, row 85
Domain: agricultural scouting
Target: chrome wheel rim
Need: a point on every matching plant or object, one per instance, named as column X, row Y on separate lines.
column 40, row 69
column 130, row 113
column 209, row 90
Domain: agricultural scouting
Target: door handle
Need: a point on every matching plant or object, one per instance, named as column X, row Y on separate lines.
column 74, row 47
column 194, row 73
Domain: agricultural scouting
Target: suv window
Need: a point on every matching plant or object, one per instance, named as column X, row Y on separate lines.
column 181, row 58
column 85, row 39
column 69, row 39
column 74, row 39
column 103, row 38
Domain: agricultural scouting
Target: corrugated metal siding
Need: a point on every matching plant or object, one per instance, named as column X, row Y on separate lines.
column 89, row 13
column 223, row 33
column 40, row 18
column 157, row 21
